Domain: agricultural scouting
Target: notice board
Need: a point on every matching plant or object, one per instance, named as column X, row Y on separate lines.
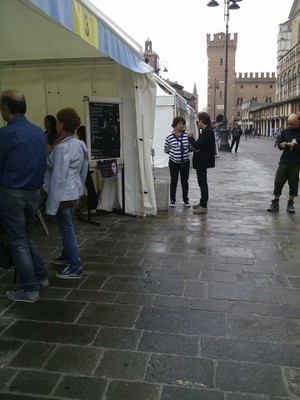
column 103, row 127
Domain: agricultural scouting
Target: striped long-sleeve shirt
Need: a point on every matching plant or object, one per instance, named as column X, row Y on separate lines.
column 173, row 147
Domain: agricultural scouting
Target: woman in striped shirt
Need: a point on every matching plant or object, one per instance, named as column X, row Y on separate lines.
column 178, row 147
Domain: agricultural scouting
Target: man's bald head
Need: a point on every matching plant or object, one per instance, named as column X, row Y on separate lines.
column 293, row 121
column 12, row 103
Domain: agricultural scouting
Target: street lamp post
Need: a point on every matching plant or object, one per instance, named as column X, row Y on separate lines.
column 228, row 5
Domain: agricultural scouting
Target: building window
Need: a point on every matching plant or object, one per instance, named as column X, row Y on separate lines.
column 220, row 94
column 221, row 61
column 242, row 86
column 271, row 86
column 256, row 86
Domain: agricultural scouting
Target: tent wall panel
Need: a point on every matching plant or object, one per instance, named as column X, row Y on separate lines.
column 33, row 89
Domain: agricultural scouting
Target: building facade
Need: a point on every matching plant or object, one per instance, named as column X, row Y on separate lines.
column 216, row 84
column 255, row 87
column 267, row 117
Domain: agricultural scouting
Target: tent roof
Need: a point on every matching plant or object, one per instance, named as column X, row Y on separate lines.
column 62, row 30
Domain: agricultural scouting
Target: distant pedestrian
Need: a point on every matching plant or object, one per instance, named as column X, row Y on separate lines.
column 236, row 135
column 216, row 130
column 289, row 164
column 178, row 148
column 277, row 136
column 203, row 158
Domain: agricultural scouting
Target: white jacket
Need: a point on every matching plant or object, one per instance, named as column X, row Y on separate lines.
column 67, row 167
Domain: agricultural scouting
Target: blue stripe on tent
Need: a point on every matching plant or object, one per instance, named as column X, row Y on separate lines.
column 109, row 43
column 58, row 10
column 115, row 48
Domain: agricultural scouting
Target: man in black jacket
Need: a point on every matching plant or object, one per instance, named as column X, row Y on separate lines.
column 289, row 164
column 236, row 135
column 203, row 158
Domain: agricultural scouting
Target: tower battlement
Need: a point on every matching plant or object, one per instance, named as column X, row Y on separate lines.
column 245, row 77
column 220, row 38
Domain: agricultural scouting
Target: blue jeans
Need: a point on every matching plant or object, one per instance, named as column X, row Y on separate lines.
column 70, row 251
column 17, row 212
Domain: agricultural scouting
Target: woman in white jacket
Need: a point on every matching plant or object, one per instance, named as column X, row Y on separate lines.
column 67, row 167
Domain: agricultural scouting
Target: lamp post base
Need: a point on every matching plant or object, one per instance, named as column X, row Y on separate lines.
column 224, row 145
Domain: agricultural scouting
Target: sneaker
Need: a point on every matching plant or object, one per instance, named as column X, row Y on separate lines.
column 274, row 206
column 200, row 210
column 68, row 274
column 44, row 283
column 21, row 295
column 187, row 204
column 86, row 212
column 172, row 204
column 290, row 207
column 195, row 206
column 59, row 260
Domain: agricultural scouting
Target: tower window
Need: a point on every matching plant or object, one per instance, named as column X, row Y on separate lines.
column 221, row 61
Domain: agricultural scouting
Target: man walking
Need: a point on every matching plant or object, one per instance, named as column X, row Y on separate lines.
column 23, row 155
column 289, row 164
column 236, row 135
column 203, row 158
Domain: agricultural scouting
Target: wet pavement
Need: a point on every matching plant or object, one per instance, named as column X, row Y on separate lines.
column 172, row 307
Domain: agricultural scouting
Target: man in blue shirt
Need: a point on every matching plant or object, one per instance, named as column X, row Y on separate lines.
column 23, row 156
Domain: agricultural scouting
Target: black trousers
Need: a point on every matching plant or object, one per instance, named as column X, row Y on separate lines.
column 202, row 182
column 175, row 169
column 236, row 142
column 290, row 173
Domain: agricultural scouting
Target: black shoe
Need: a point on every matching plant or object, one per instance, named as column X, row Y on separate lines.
column 59, row 260
column 274, row 206
column 290, row 207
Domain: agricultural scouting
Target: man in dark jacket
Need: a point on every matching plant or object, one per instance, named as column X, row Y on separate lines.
column 203, row 158
column 236, row 135
column 289, row 164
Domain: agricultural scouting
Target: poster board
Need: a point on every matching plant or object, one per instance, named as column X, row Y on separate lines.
column 103, row 128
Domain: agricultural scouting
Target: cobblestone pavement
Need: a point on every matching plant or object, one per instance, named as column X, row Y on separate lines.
column 172, row 307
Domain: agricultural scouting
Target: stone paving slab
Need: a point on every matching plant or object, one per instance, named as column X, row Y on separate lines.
column 172, row 307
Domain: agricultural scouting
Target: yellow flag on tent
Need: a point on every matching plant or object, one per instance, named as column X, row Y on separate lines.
column 85, row 24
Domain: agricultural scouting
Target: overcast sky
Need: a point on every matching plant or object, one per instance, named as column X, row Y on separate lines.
column 178, row 31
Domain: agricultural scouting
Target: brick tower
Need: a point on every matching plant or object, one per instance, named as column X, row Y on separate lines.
column 216, row 75
column 151, row 57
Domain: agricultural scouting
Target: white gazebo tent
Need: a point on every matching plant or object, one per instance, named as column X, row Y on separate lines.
column 61, row 52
